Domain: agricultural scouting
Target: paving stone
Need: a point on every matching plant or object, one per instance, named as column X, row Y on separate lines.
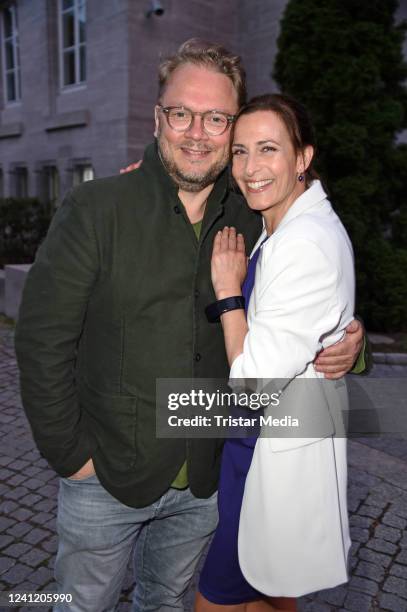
column 353, row 561
column 51, row 525
column 399, row 570
column 45, row 475
column 374, row 557
column 314, row 606
column 353, row 504
column 50, row 490
column 16, row 480
column 30, row 499
column 390, row 534
column 22, row 514
column 17, row 493
column 392, row 602
column 380, row 501
column 5, row 523
column 357, row 475
column 16, row 550
column 364, row 585
column 394, row 521
column 372, row 511
column 50, row 545
column 41, row 576
column 33, row 454
column 402, row 556
column 34, row 484
column 42, row 518
column 5, row 564
column 359, row 491
column 32, row 471
column 359, row 535
column 335, row 597
column 4, row 460
column 16, row 574
column 5, row 474
column 399, row 510
column 46, row 505
column 360, row 521
column 19, row 530
column 382, row 546
column 35, row 536
column 19, row 464
column 5, row 540
column 358, row 602
column 370, row 570
column 7, row 507
column 395, row 585
column 34, row 557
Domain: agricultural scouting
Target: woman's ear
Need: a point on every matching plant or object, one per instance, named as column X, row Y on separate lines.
column 304, row 159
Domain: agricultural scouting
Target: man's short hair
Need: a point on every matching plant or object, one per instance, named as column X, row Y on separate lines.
column 210, row 55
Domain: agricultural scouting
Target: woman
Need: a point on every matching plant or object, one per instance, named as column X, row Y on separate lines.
column 290, row 495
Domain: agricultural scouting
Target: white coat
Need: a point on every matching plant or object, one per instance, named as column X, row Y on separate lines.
column 293, row 533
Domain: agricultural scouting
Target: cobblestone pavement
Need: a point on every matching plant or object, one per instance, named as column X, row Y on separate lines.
column 377, row 505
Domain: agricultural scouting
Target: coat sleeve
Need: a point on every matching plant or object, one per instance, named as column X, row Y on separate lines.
column 295, row 305
column 49, row 327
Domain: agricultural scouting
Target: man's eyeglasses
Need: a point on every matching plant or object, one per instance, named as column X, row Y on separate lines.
column 180, row 119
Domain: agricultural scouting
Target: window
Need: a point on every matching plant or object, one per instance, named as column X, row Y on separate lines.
column 82, row 173
column 11, row 56
column 50, row 185
column 72, row 42
column 20, row 182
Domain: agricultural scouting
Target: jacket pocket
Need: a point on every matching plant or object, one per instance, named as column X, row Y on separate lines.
column 112, row 419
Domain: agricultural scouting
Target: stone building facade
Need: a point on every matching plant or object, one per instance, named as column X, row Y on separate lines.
column 79, row 82
column 78, row 79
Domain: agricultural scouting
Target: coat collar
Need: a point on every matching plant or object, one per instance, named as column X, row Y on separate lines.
column 312, row 198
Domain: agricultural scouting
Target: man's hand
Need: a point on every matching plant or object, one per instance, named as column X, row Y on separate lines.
column 338, row 359
column 85, row 471
column 131, row 167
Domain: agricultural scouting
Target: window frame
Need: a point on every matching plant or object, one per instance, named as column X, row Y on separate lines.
column 75, row 48
column 16, row 69
column 80, row 168
column 20, row 182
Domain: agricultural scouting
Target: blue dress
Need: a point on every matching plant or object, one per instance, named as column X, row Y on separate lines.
column 222, row 581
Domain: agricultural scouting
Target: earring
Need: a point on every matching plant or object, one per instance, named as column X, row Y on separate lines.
column 300, row 177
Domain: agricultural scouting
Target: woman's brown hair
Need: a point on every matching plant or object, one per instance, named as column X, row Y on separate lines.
column 295, row 118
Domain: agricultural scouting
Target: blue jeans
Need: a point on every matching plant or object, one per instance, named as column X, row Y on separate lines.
column 97, row 534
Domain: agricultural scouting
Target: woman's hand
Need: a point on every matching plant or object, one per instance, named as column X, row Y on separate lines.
column 131, row 167
column 229, row 263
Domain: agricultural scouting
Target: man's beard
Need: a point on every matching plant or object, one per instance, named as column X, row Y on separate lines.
column 191, row 181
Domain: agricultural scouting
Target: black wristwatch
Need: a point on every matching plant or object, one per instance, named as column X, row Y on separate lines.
column 218, row 308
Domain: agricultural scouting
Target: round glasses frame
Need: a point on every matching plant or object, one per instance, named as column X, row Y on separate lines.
column 229, row 119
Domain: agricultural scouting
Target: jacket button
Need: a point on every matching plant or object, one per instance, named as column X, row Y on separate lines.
column 177, row 210
column 196, row 293
column 198, row 357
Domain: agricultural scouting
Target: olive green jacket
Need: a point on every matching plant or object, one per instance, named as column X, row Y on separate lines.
column 114, row 300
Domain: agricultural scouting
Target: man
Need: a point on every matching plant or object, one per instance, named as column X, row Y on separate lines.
column 114, row 301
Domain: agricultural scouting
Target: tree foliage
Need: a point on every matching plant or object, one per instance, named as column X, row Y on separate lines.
column 23, row 225
column 344, row 60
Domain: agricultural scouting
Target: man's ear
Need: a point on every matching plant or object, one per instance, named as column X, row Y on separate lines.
column 157, row 121
column 304, row 159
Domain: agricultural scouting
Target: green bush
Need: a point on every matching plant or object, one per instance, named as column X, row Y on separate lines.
column 23, row 225
column 344, row 60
